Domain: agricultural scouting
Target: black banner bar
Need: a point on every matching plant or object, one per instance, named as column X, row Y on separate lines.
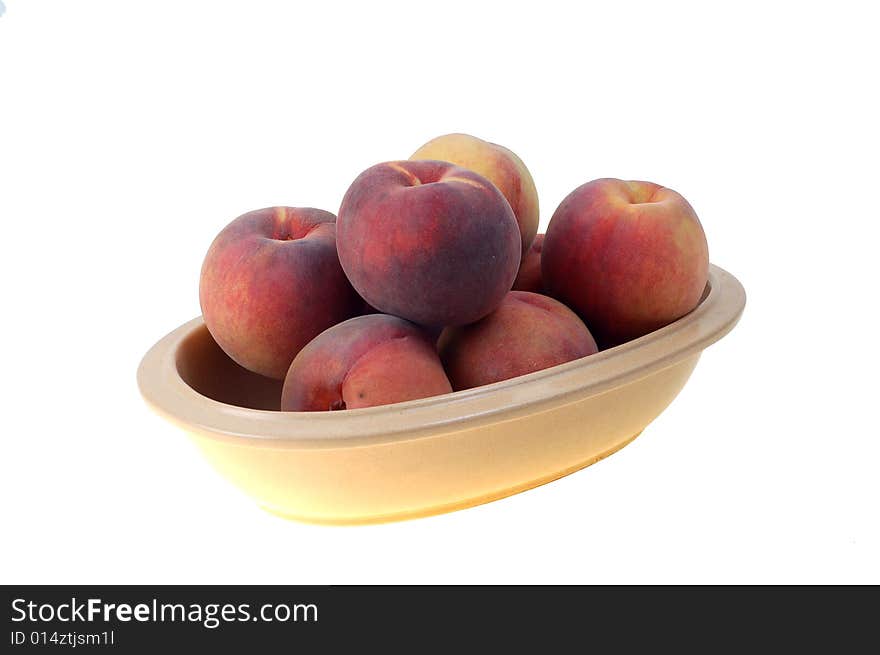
column 323, row 619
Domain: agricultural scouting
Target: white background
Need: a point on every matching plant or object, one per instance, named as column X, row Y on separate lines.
column 131, row 132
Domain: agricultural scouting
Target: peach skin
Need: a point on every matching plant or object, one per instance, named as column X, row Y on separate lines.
column 498, row 165
column 428, row 241
column 629, row 257
column 529, row 276
column 366, row 361
column 270, row 282
column 528, row 332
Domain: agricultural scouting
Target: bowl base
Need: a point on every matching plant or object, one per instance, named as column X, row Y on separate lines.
column 451, row 507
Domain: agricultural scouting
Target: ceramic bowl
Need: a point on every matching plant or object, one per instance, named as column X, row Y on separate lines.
column 435, row 454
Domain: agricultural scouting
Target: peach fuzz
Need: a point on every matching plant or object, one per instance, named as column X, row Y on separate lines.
column 529, row 276
column 271, row 282
column 528, row 332
column 629, row 257
column 366, row 361
column 428, row 241
column 498, row 165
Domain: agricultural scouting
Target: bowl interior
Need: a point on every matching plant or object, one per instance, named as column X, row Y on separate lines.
column 204, row 366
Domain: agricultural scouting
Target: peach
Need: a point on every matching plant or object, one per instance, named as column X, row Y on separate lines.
column 529, row 276
column 428, row 241
column 528, row 332
column 629, row 257
column 270, row 283
column 366, row 361
column 498, row 165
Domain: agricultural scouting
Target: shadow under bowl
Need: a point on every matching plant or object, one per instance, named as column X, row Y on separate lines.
column 430, row 455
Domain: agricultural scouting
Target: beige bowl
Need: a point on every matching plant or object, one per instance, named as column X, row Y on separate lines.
column 431, row 455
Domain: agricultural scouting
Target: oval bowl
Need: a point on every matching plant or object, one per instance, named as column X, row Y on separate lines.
column 435, row 454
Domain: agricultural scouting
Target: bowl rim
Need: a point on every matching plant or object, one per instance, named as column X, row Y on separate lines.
column 169, row 395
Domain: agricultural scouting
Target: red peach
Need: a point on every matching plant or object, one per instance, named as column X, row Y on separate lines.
column 428, row 241
column 629, row 257
column 366, row 361
column 271, row 282
column 528, row 332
